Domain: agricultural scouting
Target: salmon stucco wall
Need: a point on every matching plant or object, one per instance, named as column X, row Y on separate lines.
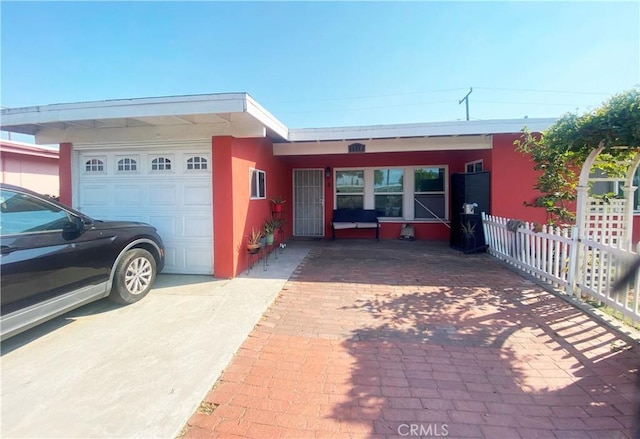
column 235, row 213
column 455, row 160
column 512, row 182
column 30, row 168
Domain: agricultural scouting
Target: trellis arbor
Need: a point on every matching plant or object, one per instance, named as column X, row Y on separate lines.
column 587, row 166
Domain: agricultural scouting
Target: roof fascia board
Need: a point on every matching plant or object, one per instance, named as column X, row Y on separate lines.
column 30, row 151
column 458, row 128
column 125, row 108
column 57, row 135
column 267, row 119
column 386, row 145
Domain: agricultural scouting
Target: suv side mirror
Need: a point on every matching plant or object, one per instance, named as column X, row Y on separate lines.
column 73, row 228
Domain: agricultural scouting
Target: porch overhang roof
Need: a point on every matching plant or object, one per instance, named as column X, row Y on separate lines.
column 433, row 129
column 233, row 114
column 436, row 136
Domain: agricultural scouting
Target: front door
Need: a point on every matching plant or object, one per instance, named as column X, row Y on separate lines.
column 308, row 202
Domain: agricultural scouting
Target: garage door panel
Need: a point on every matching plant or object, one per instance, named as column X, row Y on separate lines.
column 197, row 259
column 196, row 195
column 94, row 195
column 170, row 259
column 177, row 203
column 166, row 225
column 197, row 227
column 164, row 195
column 128, row 195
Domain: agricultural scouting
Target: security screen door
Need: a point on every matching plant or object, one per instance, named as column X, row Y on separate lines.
column 308, row 202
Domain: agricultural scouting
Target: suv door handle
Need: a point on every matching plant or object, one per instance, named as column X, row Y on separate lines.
column 6, row 249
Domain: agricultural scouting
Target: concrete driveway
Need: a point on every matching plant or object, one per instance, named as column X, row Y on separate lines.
column 138, row 370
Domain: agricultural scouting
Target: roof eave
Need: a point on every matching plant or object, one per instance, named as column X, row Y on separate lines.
column 30, row 120
column 434, row 129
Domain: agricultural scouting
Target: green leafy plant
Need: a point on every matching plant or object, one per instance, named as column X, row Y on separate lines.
column 271, row 225
column 560, row 151
column 468, row 228
column 278, row 199
column 254, row 237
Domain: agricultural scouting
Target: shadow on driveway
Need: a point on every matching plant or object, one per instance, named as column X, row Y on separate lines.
column 386, row 339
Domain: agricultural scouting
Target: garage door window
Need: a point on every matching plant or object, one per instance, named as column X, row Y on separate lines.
column 197, row 163
column 127, row 165
column 161, row 164
column 94, row 166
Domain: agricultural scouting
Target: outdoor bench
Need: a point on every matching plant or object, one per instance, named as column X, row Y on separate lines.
column 355, row 219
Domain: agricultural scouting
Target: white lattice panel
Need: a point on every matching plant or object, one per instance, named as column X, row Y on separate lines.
column 605, row 220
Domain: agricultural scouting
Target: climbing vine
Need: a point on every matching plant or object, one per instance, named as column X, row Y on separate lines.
column 559, row 152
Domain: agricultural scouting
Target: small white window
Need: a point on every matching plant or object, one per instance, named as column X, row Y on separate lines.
column 161, row 164
column 197, row 164
column 475, row 166
column 258, row 187
column 95, row 166
column 127, row 165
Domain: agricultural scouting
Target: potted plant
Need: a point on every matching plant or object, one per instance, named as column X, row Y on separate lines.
column 269, row 228
column 468, row 235
column 276, row 204
column 253, row 240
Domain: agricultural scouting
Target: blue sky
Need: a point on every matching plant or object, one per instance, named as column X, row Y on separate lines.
column 316, row 64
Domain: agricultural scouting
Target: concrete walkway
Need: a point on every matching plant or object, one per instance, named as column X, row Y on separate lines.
column 407, row 339
column 135, row 371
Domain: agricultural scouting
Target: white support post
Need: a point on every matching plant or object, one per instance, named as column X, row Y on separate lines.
column 626, row 243
column 574, row 263
column 581, row 209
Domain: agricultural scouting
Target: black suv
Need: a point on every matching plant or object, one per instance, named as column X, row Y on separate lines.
column 54, row 258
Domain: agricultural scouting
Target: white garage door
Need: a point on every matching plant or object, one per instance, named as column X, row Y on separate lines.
column 168, row 186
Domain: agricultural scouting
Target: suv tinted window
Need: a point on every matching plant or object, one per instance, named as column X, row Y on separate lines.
column 20, row 213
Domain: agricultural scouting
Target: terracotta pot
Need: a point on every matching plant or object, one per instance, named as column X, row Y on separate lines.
column 276, row 208
column 254, row 248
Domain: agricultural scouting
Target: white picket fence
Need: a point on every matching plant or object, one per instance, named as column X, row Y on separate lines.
column 579, row 266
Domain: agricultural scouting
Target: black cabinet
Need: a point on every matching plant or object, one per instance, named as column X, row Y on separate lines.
column 469, row 188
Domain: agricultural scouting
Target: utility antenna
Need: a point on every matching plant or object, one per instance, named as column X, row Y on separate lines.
column 466, row 101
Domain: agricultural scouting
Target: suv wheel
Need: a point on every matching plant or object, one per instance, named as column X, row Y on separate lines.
column 133, row 277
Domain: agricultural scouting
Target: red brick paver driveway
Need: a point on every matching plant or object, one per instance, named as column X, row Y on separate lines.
column 409, row 339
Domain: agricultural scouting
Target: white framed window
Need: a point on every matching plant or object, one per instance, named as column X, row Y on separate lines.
column 95, row 165
column 197, row 163
column 429, row 193
column 349, row 189
column 388, row 189
column 397, row 193
column 257, row 180
column 127, row 165
column 161, row 163
column 475, row 166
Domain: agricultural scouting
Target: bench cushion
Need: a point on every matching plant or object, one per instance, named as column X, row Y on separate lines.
column 344, row 225
column 355, row 219
column 360, row 225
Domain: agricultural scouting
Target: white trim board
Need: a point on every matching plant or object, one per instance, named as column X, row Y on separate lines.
column 385, row 145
